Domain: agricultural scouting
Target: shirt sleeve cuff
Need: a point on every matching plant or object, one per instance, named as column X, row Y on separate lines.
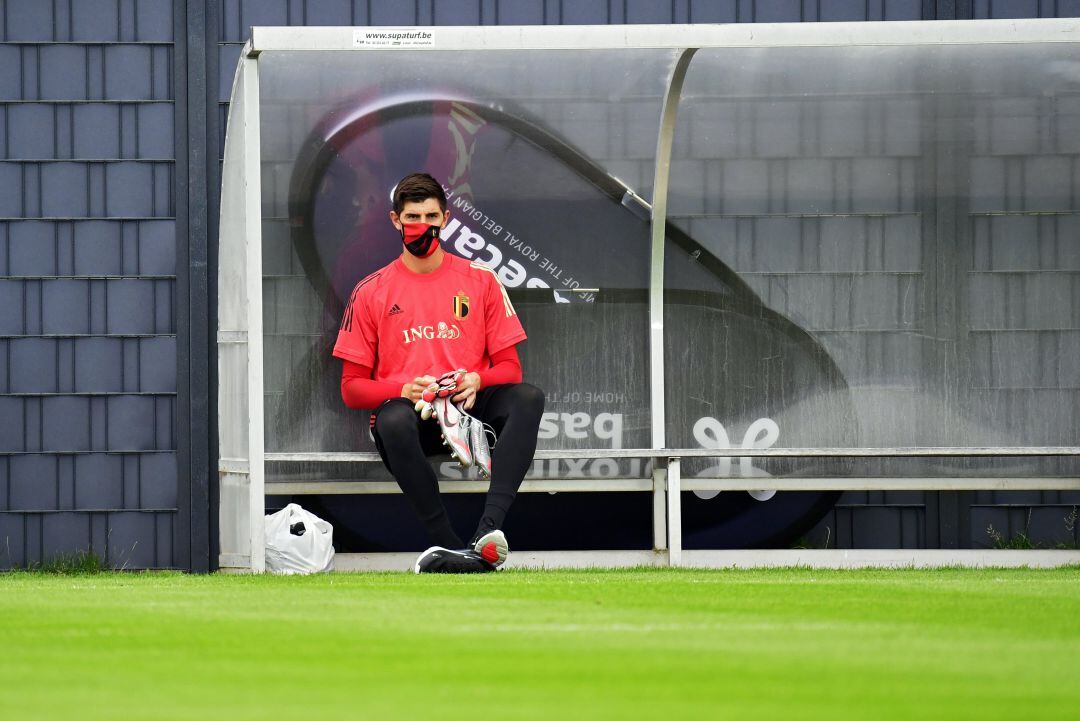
column 503, row 345
column 359, row 358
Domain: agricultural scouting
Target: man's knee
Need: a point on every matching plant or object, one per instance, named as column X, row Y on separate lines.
column 395, row 419
column 528, row 399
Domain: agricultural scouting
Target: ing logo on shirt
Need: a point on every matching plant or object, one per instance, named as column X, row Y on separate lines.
column 431, row 332
column 461, row 305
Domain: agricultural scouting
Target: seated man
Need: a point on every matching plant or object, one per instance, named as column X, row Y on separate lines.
column 426, row 314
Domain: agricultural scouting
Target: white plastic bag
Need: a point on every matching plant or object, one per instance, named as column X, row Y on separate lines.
column 298, row 541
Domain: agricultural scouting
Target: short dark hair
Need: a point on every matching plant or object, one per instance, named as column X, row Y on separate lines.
column 418, row 187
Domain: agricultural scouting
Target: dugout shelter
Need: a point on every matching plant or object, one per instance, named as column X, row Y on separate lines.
column 758, row 264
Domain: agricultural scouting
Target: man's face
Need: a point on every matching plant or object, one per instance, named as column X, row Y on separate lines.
column 424, row 211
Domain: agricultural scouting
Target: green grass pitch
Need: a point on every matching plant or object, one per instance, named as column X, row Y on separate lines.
column 636, row 644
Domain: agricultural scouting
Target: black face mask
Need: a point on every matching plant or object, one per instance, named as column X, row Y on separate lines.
column 420, row 239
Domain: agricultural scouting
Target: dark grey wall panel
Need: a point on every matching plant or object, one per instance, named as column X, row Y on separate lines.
column 270, row 12
column 777, row 11
column 64, row 533
column 1008, row 8
column 94, row 130
column 89, row 20
column 133, row 306
column 521, row 12
column 157, row 480
column 12, row 539
column 156, row 359
column 11, row 178
column 133, row 540
column 586, row 12
column 55, row 72
column 95, row 19
column 128, row 427
column 91, row 247
column 65, row 424
column 154, row 130
column 890, row 519
column 229, row 56
column 5, row 367
column 1047, row 525
column 33, row 483
column 1026, row 8
column 32, row 536
column 65, row 190
column 147, row 20
column 644, row 11
column 87, row 334
column 99, row 365
column 330, row 12
column 10, row 82
column 65, row 305
column 96, row 249
column 29, row 20
column 35, row 127
column 129, row 72
column 448, row 12
column 100, row 484
column 11, row 300
column 33, row 365
column 31, row 248
column 12, row 430
column 387, row 13
column 87, row 72
column 150, row 247
column 126, row 539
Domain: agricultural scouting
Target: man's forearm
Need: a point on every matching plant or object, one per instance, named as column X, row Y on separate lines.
column 505, row 368
column 359, row 390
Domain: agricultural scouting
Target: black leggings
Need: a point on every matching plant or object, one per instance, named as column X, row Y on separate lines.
column 404, row 442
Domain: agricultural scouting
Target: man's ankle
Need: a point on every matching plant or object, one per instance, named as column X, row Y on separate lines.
column 486, row 525
column 442, row 534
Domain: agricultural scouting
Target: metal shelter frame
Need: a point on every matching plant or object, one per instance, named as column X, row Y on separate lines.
column 243, row 457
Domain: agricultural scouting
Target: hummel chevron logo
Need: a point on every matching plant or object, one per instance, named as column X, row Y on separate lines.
column 395, row 310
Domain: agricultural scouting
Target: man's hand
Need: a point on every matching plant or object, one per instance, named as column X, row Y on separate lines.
column 467, row 388
column 413, row 389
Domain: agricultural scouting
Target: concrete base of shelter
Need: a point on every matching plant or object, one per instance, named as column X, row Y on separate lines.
column 771, row 558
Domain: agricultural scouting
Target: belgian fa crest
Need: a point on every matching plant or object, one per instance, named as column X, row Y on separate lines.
column 461, row 305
